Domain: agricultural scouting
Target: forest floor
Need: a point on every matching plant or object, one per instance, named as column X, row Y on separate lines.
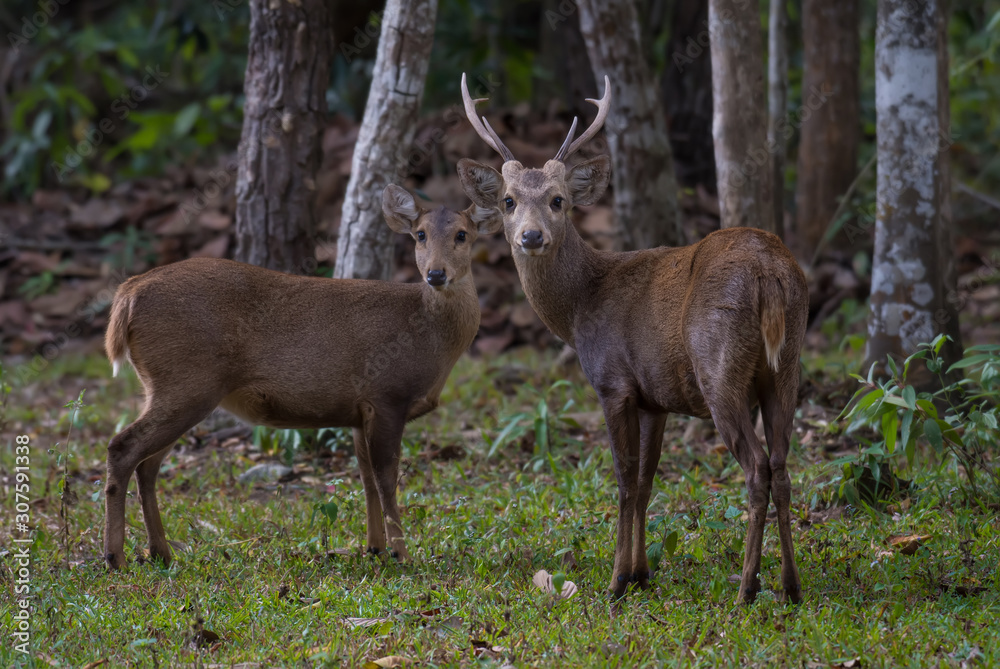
column 261, row 578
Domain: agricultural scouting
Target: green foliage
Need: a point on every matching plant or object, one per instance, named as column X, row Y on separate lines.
column 289, row 442
column 544, row 425
column 127, row 94
column 280, row 590
column 958, row 422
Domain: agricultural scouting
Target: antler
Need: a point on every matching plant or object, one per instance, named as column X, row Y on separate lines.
column 483, row 127
column 603, row 107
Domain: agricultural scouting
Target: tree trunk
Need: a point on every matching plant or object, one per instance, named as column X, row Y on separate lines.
column 645, row 193
column 365, row 242
column 777, row 98
column 283, row 119
column 828, row 148
column 947, row 313
column 563, row 54
column 909, row 304
column 687, row 94
column 739, row 119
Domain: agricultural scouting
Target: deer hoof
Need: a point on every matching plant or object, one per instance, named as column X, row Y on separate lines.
column 115, row 561
column 641, row 578
column 620, row 587
column 791, row 595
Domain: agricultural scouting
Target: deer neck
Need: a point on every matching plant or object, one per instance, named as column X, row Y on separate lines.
column 453, row 313
column 559, row 284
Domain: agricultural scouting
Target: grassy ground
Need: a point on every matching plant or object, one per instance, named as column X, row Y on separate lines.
column 261, row 579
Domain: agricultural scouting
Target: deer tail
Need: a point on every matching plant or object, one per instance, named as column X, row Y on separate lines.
column 116, row 338
column 772, row 319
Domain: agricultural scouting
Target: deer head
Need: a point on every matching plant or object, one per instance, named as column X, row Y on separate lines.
column 444, row 237
column 535, row 203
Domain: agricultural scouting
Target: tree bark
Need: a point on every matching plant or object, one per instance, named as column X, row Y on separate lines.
column 777, row 98
column 645, row 192
column 947, row 313
column 828, row 148
column 739, row 119
column 909, row 304
column 365, row 242
column 283, row 119
column 687, row 94
column 563, row 53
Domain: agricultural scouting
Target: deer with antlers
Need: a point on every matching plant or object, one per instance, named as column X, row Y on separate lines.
column 707, row 330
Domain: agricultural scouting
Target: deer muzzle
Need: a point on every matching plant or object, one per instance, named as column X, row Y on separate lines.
column 436, row 277
column 532, row 240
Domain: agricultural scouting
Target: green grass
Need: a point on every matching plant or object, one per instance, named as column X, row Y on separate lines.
column 280, row 587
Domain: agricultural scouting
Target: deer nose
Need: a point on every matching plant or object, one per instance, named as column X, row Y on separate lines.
column 436, row 277
column 531, row 239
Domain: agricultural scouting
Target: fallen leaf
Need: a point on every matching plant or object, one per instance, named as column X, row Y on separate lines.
column 543, row 580
column 390, row 661
column 96, row 663
column 364, row 622
column 203, row 637
column 95, row 214
column 908, row 544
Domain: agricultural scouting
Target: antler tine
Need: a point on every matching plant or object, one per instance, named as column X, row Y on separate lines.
column 603, row 107
column 486, row 132
column 561, row 153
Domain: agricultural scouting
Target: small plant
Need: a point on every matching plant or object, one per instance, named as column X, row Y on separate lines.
column 541, row 425
column 36, row 286
column 289, row 442
column 959, row 420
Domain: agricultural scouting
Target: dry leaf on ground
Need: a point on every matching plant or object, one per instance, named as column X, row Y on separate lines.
column 908, row 544
column 543, row 580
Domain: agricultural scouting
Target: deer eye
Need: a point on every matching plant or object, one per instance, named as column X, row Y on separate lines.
column 421, row 236
column 460, row 236
column 557, row 203
column 509, row 202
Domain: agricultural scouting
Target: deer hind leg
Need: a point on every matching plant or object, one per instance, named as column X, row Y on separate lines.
column 650, row 443
column 778, row 407
column 159, row 426
column 383, row 434
column 736, row 429
column 145, row 476
column 373, row 506
column 622, row 418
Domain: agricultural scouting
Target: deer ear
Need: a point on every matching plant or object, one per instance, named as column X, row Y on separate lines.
column 588, row 180
column 481, row 182
column 399, row 208
column 488, row 221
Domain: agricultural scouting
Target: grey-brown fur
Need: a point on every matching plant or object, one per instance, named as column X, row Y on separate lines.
column 707, row 330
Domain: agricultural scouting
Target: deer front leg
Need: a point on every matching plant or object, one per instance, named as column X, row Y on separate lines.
column 373, row 506
column 650, row 443
column 384, row 446
column 622, row 417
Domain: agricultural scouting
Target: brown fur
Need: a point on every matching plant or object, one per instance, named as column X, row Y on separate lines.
column 292, row 351
column 705, row 330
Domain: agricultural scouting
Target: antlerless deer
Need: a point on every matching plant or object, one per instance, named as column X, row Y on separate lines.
column 292, row 351
column 706, row 330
